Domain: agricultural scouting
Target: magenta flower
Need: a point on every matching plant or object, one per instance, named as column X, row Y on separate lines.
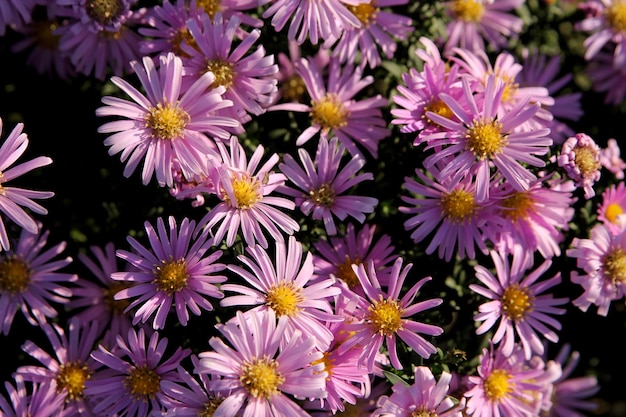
column 611, row 160
column 580, row 158
column 175, row 272
column 29, row 279
column 244, row 189
column 606, row 23
column 257, row 374
column 612, row 206
column 517, row 300
column 72, row 366
column 43, row 400
column 425, row 396
column 483, row 139
column 379, row 29
column 283, row 287
column 129, row 381
column 11, row 198
column 385, row 317
column 333, row 110
column 472, row 22
column 322, row 182
column 168, row 124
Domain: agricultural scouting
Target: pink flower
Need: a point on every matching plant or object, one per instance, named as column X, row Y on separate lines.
column 611, row 160
column 612, row 207
column 580, row 158
column 605, row 21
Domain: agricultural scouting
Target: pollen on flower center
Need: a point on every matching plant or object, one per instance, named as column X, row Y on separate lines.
column 459, row 206
column 104, row 11
column 346, row 273
column 143, row 383
column 497, row 385
column 284, row 299
column 616, row 16
column 614, row 264
column 385, row 316
column 210, row 7
column 73, row 376
column 468, row 10
column 323, row 196
column 223, row 72
column 612, row 211
column 365, row 12
column 586, row 160
column 210, row 407
column 422, row 412
column 517, row 206
column 261, row 377
column 247, row 192
column 485, row 139
column 517, row 302
column 171, row 276
column 116, row 307
column 182, row 36
column 329, row 112
column 438, row 106
column 166, row 121
column 14, row 275
column 293, row 88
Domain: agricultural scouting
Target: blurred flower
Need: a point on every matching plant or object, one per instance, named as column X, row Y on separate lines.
column 15, row 14
column 580, row 158
column 606, row 21
column 612, row 206
column 607, row 78
column 42, row 401
column 610, row 159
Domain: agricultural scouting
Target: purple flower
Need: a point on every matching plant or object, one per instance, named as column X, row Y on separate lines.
column 16, row 13
column 517, row 301
column 612, row 207
column 322, row 182
column 580, row 158
column 282, row 287
column 607, row 78
column 610, row 159
column 605, row 20
column 11, row 198
column 262, row 367
column 167, row 124
column 385, row 317
column 129, row 381
column 29, row 279
column 175, row 272
column 43, row 400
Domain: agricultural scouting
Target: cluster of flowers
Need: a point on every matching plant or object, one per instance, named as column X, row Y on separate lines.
column 330, row 328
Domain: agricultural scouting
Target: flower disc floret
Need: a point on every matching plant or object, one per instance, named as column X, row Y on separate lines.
column 104, row 11
column 612, row 211
column 517, row 302
column 72, row 376
column 365, row 12
column 586, row 160
column 439, row 107
column 497, row 385
column 284, row 299
column 261, row 378
column 329, row 112
column 247, row 192
column 385, row 316
column 323, row 196
column 166, row 121
column 485, row 139
column 210, row 7
column 458, row 206
column 468, row 10
column 223, row 72
column 423, row 413
column 517, row 206
column 143, row 383
column 616, row 16
column 14, row 275
column 171, row 276
column 614, row 263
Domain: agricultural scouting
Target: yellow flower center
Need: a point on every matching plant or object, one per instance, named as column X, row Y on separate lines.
column 171, row 276
column 517, row 302
column 143, row 383
column 586, row 160
column 422, row 412
column 44, row 35
column 103, row 11
column 323, row 196
column 166, row 121
column 223, row 72
column 328, row 364
column 614, row 264
column 612, row 211
column 116, row 307
column 182, row 36
column 510, row 89
column 459, row 206
column 210, row 407
column 261, row 377
column 439, row 107
column 497, row 385
column 468, row 10
column 72, row 376
column 365, row 12
column 211, row 7
column 517, row 206
column 385, row 316
column 345, row 272
column 294, row 88
column 284, row 299
column 247, row 192
column 329, row 112
column 484, row 139
column 14, row 275
column 616, row 16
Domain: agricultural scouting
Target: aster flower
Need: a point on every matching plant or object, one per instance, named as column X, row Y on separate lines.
column 602, row 257
column 472, row 22
column 71, row 367
column 612, row 206
column 29, row 279
column 333, row 110
column 42, row 400
column 483, row 139
column 334, row 257
column 606, row 21
column 170, row 124
column 246, row 204
column 379, row 29
column 175, row 272
column 322, row 182
column 15, row 14
column 129, row 382
column 282, row 287
column 509, row 385
column 580, row 158
column 426, row 396
column 517, row 300
column 610, row 159
column 312, row 20
column 248, row 78
column 258, row 376
column 452, row 211
column 607, row 78
column 11, row 198
column 385, row 317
